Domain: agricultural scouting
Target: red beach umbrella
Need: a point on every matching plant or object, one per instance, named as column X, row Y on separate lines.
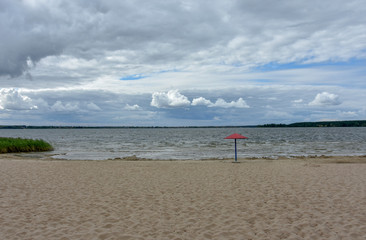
column 236, row 136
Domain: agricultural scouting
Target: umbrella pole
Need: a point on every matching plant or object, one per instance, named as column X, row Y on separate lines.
column 236, row 158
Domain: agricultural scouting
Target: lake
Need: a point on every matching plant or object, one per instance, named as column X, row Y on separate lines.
column 196, row 143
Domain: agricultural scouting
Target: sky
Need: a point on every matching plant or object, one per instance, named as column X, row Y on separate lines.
column 181, row 62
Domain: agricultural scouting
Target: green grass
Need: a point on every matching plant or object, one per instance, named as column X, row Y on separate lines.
column 15, row 145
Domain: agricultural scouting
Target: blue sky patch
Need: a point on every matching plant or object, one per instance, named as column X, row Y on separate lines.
column 132, row 77
column 168, row 71
column 273, row 66
column 262, row 80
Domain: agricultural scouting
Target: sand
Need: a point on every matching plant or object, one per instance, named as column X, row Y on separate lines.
column 263, row 199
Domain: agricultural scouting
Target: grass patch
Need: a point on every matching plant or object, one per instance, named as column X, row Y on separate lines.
column 15, row 145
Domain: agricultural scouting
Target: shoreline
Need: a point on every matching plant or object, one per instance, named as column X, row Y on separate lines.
column 320, row 159
column 305, row 198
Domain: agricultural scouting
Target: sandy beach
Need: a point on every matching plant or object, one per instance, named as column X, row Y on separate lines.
column 320, row 198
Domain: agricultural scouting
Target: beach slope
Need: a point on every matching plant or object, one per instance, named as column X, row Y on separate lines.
column 261, row 199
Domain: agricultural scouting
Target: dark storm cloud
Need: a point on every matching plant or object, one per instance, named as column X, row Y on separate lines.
column 32, row 30
column 178, row 31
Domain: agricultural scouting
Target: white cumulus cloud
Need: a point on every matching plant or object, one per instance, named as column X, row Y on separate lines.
column 325, row 99
column 201, row 101
column 240, row 103
column 170, row 99
column 12, row 99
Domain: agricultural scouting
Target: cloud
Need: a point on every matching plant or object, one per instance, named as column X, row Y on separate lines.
column 133, row 107
column 12, row 99
column 174, row 99
column 75, row 106
column 80, row 62
column 26, row 36
column 298, row 101
column 201, row 101
column 65, row 107
column 347, row 114
column 171, row 99
column 234, row 33
column 240, row 103
column 93, row 107
column 325, row 99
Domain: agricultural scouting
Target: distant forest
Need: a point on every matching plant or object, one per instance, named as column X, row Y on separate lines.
column 355, row 123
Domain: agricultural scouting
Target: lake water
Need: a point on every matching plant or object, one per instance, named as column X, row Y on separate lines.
column 196, row 143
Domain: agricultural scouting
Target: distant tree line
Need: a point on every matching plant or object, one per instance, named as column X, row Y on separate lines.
column 355, row 123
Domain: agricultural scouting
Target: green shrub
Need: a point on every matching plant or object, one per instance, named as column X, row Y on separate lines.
column 13, row 145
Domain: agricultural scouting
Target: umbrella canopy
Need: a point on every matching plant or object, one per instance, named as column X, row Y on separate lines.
column 236, row 136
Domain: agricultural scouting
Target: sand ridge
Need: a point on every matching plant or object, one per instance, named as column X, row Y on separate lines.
column 279, row 199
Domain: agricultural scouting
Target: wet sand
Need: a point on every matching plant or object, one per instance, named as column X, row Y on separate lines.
column 321, row 198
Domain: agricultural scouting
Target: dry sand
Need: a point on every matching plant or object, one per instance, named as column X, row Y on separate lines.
column 280, row 199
